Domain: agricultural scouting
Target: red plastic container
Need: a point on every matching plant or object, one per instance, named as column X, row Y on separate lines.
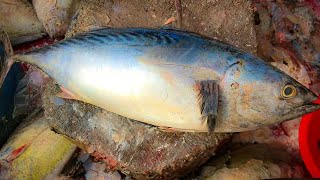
column 309, row 142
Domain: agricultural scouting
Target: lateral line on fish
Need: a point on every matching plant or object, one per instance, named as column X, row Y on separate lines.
column 166, row 64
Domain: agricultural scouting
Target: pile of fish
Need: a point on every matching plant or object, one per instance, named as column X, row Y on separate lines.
column 149, row 102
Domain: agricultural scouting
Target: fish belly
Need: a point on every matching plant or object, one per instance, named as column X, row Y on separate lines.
column 120, row 83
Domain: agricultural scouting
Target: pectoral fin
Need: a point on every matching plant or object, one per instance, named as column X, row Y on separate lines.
column 65, row 94
column 208, row 101
column 203, row 79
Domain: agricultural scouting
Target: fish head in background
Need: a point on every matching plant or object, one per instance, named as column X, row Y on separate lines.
column 255, row 94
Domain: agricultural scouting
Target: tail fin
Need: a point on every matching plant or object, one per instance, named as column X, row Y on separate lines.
column 5, row 52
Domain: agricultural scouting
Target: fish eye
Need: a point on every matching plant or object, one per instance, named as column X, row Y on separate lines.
column 288, row 91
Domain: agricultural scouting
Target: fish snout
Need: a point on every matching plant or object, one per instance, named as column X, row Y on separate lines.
column 302, row 110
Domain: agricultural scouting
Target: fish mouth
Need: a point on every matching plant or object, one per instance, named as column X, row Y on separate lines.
column 299, row 111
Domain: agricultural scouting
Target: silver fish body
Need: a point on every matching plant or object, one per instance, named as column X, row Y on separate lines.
column 171, row 78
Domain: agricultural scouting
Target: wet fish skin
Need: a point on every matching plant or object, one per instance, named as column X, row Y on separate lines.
column 170, row 78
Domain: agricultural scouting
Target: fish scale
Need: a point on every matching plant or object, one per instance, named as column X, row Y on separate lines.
column 170, row 78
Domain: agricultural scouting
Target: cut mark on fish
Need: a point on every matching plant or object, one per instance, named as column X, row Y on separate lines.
column 208, row 102
column 233, row 64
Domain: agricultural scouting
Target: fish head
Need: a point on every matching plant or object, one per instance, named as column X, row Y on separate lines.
column 258, row 94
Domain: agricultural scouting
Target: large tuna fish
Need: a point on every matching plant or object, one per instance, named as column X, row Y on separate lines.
column 170, row 78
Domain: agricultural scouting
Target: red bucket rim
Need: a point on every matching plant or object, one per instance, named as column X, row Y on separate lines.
column 309, row 142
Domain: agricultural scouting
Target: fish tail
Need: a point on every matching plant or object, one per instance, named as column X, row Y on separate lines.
column 6, row 52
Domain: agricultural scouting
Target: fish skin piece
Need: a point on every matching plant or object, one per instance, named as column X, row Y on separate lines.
column 158, row 76
column 19, row 20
